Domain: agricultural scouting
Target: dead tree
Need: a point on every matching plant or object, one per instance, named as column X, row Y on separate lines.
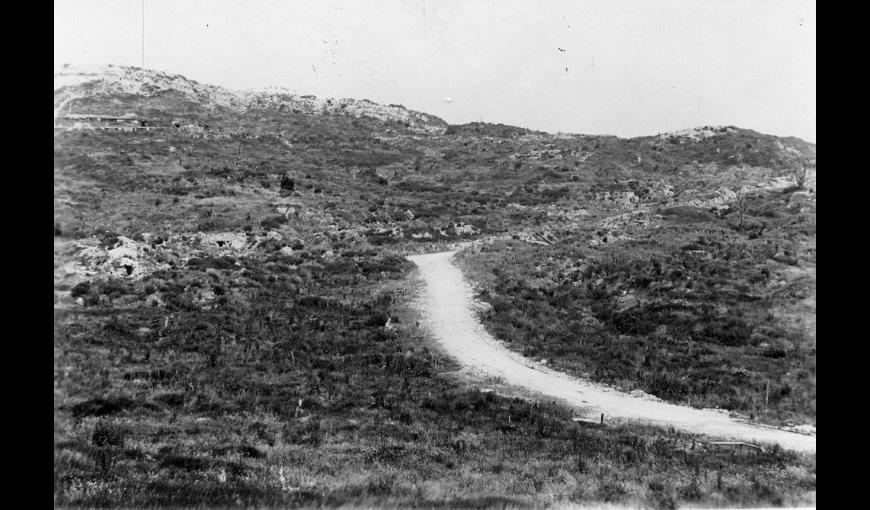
column 740, row 204
column 800, row 170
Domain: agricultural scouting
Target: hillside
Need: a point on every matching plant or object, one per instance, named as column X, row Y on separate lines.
column 113, row 88
column 231, row 301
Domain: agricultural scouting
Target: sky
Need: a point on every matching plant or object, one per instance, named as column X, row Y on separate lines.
column 626, row 68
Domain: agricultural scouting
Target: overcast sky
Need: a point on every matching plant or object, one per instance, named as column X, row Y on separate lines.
column 627, row 68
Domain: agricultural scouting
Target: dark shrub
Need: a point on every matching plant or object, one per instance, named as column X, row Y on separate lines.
column 660, row 497
column 108, row 435
column 80, row 289
column 377, row 319
column 687, row 213
column 731, row 332
column 667, row 387
column 307, row 431
column 269, row 245
column 287, row 183
column 171, row 399
column 107, row 238
column 113, row 288
column 183, row 462
column 273, row 222
column 610, row 492
column 102, row 406
column 203, row 263
column 250, row 452
column 500, row 304
column 774, row 351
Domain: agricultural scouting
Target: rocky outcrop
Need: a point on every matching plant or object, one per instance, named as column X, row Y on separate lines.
column 74, row 82
column 618, row 198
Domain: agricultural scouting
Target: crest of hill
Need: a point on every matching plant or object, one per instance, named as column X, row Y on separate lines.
column 729, row 145
column 107, row 84
column 721, row 145
column 489, row 129
column 117, row 90
column 719, row 133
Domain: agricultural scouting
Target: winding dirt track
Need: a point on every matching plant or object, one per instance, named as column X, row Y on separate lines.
column 446, row 304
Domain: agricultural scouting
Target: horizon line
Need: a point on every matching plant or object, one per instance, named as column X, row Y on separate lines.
column 60, row 67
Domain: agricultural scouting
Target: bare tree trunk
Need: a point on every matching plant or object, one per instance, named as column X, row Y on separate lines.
column 741, row 208
column 800, row 176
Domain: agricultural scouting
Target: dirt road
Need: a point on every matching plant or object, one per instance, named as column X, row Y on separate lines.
column 446, row 304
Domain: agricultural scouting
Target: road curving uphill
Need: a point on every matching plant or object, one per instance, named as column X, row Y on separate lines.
column 446, row 304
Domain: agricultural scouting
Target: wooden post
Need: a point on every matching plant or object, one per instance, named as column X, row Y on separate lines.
column 766, row 394
column 602, row 418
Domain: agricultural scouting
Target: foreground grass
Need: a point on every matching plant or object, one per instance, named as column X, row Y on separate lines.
column 289, row 399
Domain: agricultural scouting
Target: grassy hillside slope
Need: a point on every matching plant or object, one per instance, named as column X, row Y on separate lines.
column 231, row 320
